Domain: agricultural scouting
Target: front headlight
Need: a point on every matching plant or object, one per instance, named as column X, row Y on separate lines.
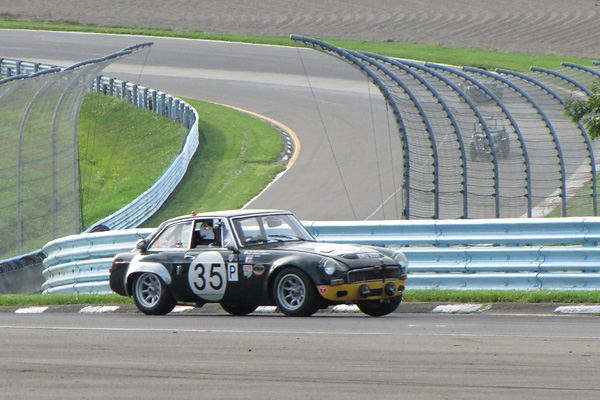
column 330, row 266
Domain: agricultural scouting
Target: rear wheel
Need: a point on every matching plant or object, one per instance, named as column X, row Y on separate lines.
column 378, row 308
column 238, row 309
column 151, row 295
column 295, row 294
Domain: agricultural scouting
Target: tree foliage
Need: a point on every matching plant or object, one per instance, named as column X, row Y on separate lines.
column 586, row 111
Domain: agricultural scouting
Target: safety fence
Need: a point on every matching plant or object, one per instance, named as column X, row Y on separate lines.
column 15, row 72
column 552, row 253
column 11, row 68
column 483, row 144
column 154, row 100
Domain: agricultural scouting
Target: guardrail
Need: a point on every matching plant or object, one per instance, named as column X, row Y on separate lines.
column 537, row 253
column 10, row 68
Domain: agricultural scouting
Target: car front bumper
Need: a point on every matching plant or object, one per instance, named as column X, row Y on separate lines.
column 372, row 290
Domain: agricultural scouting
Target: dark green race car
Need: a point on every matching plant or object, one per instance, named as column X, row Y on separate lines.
column 249, row 258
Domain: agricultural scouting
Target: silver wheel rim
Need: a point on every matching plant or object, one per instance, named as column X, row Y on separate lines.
column 291, row 291
column 148, row 290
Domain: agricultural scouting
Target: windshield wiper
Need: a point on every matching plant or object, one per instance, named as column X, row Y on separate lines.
column 290, row 237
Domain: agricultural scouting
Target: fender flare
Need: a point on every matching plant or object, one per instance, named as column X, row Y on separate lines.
column 138, row 267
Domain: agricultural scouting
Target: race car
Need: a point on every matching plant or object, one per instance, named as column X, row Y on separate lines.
column 244, row 259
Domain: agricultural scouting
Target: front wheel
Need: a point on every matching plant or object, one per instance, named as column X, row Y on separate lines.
column 295, row 294
column 378, row 308
column 151, row 295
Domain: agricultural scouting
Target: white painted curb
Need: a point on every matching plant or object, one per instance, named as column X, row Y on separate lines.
column 31, row 310
column 461, row 308
column 98, row 309
column 578, row 310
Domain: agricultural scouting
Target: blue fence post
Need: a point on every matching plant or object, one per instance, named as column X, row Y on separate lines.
column 145, row 97
column 170, row 107
column 175, row 113
column 134, row 90
column 123, row 89
column 163, row 104
column 154, row 105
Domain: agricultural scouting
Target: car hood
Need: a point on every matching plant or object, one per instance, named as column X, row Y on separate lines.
column 348, row 253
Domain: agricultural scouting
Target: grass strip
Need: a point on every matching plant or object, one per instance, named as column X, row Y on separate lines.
column 433, row 296
column 123, row 150
column 30, row 300
column 503, row 296
column 237, row 157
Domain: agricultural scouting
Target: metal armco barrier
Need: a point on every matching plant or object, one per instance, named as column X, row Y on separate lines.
column 537, row 253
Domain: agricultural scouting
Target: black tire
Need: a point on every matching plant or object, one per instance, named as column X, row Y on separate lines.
column 294, row 293
column 238, row 309
column 151, row 295
column 378, row 308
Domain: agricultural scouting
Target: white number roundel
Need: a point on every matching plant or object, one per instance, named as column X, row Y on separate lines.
column 208, row 276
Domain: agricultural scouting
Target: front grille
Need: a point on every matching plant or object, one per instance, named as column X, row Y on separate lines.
column 378, row 273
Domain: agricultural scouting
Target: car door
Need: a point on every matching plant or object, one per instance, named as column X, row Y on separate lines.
column 211, row 269
column 169, row 248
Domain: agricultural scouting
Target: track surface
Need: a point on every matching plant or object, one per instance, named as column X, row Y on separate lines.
column 552, row 26
column 414, row 356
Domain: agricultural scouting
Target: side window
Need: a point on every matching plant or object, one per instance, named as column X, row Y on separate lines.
column 176, row 236
column 226, row 233
column 207, row 232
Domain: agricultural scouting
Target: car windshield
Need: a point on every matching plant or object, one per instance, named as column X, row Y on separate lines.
column 269, row 229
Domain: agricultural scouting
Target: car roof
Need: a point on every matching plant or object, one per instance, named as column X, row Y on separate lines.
column 229, row 214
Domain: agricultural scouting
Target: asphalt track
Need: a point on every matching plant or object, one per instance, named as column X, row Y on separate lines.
column 216, row 356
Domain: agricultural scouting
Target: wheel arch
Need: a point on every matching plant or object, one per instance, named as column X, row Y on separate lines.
column 289, row 262
column 138, row 268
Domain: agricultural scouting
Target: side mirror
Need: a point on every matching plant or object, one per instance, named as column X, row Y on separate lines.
column 141, row 245
column 231, row 247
